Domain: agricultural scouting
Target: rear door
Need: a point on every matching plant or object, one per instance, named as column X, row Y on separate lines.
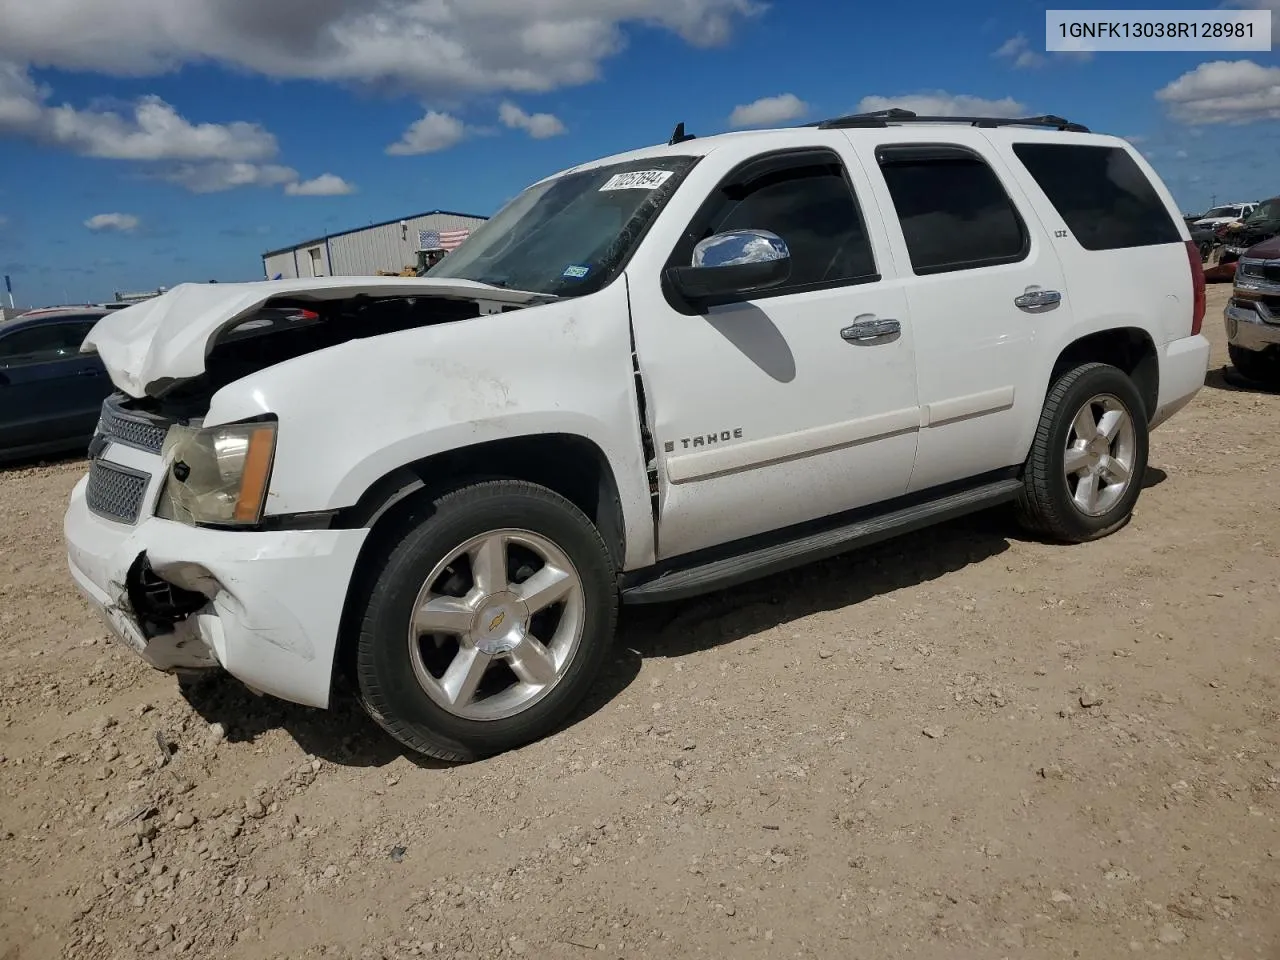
column 983, row 285
column 49, row 391
column 1115, row 227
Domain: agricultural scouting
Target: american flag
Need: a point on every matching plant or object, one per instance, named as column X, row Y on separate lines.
column 446, row 240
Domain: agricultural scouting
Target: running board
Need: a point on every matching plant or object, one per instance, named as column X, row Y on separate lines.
column 742, row 567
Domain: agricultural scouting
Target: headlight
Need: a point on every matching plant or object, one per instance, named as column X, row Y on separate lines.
column 217, row 475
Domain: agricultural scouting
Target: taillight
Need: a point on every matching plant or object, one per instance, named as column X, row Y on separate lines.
column 1197, row 286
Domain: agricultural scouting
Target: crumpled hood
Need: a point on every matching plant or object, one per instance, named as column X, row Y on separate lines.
column 166, row 339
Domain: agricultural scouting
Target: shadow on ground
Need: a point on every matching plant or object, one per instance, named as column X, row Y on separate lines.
column 345, row 735
column 14, row 464
column 1229, row 379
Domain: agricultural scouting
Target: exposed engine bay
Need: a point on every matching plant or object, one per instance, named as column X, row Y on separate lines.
column 285, row 328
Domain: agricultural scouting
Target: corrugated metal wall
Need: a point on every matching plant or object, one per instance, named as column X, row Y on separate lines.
column 389, row 247
column 281, row 263
column 364, row 252
column 313, row 260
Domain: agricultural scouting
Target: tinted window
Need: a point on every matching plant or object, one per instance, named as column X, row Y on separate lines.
column 954, row 211
column 811, row 206
column 50, row 341
column 1106, row 200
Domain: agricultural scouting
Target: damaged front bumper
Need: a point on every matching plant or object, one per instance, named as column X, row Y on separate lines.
column 265, row 606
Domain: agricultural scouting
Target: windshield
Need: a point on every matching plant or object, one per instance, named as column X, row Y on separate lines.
column 1222, row 212
column 569, row 235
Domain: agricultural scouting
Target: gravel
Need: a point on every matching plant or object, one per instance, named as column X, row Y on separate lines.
column 972, row 772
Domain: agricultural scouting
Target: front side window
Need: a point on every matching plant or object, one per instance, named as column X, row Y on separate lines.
column 1103, row 196
column 806, row 200
column 569, row 235
column 40, row 344
column 955, row 213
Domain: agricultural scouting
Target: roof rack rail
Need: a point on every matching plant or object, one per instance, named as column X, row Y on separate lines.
column 882, row 118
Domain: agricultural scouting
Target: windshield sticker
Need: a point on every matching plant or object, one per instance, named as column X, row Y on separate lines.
column 575, row 272
column 637, row 180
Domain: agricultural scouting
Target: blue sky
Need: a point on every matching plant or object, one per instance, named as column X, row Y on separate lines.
column 151, row 142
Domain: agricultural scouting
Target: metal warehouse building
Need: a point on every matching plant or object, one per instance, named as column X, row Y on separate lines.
column 362, row 252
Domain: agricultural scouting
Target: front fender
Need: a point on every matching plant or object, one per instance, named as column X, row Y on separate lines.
column 353, row 413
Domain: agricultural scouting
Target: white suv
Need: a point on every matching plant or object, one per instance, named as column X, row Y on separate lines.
column 647, row 377
column 1227, row 213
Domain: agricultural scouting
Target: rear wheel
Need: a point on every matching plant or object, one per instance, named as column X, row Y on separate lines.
column 1084, row 472
column 1256, row 366
column 486, row 623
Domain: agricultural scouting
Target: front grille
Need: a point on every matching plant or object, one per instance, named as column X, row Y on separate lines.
column 1272, row 272
column 115, row 492
column 132, row 429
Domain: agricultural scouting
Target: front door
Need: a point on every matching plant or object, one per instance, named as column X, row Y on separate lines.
column 781, row 408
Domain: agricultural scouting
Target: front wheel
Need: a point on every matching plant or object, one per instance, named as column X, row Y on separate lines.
column 486, row 623
column 1085, row 469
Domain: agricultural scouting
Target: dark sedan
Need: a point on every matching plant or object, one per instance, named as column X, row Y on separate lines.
column 50, row 393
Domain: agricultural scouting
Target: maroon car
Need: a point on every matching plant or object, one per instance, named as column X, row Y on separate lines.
column 1253, row 314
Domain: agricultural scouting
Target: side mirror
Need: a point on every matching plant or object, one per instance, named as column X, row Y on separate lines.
column 731, row 266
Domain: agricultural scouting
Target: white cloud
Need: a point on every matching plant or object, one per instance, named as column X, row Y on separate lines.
column 325, row 185
column 151, row 130
column 768, row 111
column 21, row 101
column 434, row 132
column 1224, row 91
column 939, row 103
column 435, row 47
column 3, row 219
column 540, row 126
column 217, row 177
column 120, row 222
column 155, row 132
column 1018, row 51
column 202, row 157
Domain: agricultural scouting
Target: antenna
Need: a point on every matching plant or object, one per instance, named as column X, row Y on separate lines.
column 679, row 136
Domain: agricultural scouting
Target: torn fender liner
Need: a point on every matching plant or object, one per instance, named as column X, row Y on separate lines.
column 166, row 339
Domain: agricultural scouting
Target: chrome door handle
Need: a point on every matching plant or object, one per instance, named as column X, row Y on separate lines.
column 1037, row 298
column 870, row 330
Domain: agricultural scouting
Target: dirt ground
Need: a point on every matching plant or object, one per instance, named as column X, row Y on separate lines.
column 961, row 744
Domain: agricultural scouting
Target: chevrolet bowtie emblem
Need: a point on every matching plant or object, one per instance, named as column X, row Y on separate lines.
column 496, row 622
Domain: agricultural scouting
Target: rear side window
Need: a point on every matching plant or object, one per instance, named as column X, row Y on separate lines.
column 1106, row 200
column 954, row 211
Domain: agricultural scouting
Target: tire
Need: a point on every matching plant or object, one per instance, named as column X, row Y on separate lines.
column 1051, row 501
column 1252, row 365
column 404, row 681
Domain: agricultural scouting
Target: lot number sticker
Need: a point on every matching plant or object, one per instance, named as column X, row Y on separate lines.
column 637, row 180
